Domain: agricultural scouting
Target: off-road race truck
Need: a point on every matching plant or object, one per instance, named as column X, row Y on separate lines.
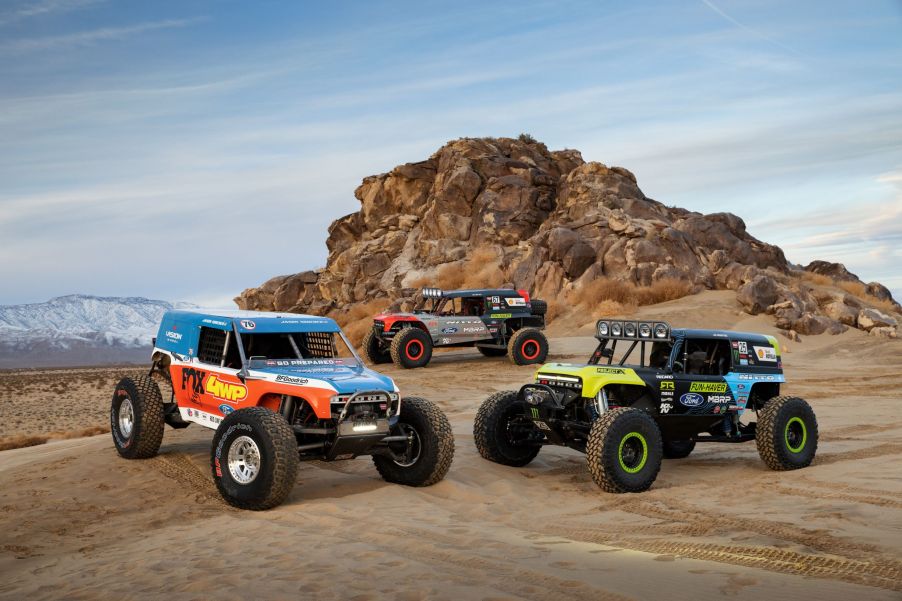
column 277, row 389
column 497, row 322
column 692, row 386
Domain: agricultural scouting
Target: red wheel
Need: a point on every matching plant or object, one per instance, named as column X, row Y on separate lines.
column 530, row 350
column 414, row 350
column 527, row 346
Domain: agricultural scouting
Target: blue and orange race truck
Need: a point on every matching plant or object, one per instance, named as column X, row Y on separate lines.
column 277, row 388
column 668, row 390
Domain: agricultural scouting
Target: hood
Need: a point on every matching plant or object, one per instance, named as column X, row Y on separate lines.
column 593, row 377
column 345, row 379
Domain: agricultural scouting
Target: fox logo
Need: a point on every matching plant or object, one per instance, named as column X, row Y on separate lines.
column 225, row 390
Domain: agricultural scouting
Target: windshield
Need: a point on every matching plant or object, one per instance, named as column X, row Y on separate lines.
column 298, row 349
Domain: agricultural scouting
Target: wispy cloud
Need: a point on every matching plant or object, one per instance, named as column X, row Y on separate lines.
column 45, row 8
column 750, row 30
column 87, row 38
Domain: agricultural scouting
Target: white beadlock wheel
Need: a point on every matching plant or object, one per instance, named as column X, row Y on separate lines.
column 126, row 417
column 244, row 459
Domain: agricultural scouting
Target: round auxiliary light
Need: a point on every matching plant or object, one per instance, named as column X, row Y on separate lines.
column 629, row 329
column 603, row 328
column 660, row 330
column 616, row 328
column 644, row 330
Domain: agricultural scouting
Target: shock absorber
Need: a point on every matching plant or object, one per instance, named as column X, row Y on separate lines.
column 598, row 405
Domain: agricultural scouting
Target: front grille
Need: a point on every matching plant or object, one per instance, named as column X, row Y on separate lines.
column 379, row 325
column 559, row 381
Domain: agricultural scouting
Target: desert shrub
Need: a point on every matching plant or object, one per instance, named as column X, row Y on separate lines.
column 626, row 294
column 357, row 319
column 480, row 270
column 526, row 138
column 817, row 278
column 860, row 291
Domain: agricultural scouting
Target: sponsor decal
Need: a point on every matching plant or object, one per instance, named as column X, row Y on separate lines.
column 667, row 385
column 515, row 302
column 432, row 324
column 717, row 409
column 226, row 391
column 291, row 380
column 666, row 407
column 667, row 393
column 719, row 398
column 225, row 409
column 743, row 362
column 708, row 387
column 176, row 336
column 610, row 370
column 742, row 387
column 193, row 382
column 445, row 341
column 535, row 412
column 765, row 353
column 495, row 300
column 247, row 324
column 449, row 330
column 735, row 344
column 743, row 348
column 691, row 399
column 215, row 322
column 291, row 362
column 473, row 330
column 501, row 315
column 664, row 376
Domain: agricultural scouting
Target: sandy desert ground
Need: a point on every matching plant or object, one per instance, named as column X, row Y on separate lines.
column 78, row 522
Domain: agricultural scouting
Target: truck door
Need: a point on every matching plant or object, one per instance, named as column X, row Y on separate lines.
column 699, row 370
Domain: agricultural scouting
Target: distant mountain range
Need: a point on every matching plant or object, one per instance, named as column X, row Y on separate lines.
column 80, row 330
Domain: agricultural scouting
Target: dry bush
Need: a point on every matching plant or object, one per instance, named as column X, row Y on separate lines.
column 817, row 278
column 480, row 270
column 358, row 318
column 860, row 291
column 626, row 294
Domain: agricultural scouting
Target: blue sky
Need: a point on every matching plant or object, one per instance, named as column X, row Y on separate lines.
column 187, row 150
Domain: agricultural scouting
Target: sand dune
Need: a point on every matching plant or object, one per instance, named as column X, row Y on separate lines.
column 78, row 522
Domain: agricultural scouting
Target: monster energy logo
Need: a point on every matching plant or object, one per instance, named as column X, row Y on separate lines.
column 535, row 412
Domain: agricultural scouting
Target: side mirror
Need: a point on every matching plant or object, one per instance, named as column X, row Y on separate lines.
column 242, row 375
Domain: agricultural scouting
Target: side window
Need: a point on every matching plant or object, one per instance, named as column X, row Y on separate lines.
column 474, row 306
column 211, row 346
column 706, row 357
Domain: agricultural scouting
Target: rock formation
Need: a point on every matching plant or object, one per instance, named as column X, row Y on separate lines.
column 551, row 221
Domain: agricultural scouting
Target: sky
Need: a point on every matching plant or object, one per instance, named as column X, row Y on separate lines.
column 186, row 150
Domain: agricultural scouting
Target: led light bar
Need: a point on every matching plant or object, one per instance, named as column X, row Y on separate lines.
column 632, row 330
column 433, row 292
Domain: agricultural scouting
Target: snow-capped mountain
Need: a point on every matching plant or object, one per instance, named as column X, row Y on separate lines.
column 79, row 330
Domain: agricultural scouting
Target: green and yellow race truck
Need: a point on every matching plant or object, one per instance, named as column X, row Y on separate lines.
column 687, row 386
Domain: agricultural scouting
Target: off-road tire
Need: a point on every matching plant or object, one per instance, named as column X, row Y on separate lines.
column 609, row 466
column 527, row 346
column 678, row 449
column 782, row 420
column 146, row 435
column 492, row 352
column 491, row 430
column 373, row 350
column 405, row 344
column 278, row 458
column 539, row 307
column 436, row 445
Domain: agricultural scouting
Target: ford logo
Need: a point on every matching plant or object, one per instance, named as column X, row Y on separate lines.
column 692, row 399
column 225, row 409
column 449, row 330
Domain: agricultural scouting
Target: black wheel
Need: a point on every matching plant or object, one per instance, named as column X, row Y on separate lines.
column 136, row 417
column 527, row 346
column 492, row 352
column 786, row 433
column 411, row 347
column 678, row 449
column 624, row 451
column 425, row 457
column 375, row 350
column 254, row 458
column 539, row 307
column 503, row 433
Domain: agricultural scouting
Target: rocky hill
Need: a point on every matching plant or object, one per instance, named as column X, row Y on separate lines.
column 515, row 213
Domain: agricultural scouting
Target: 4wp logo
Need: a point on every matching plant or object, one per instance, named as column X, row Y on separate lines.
column 198, row 382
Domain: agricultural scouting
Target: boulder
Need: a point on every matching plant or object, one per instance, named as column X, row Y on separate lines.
column 810, row 324
column 842, row 313
column 884, row 332
column 757, row 295
column 869, row 319
column 837, row 271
